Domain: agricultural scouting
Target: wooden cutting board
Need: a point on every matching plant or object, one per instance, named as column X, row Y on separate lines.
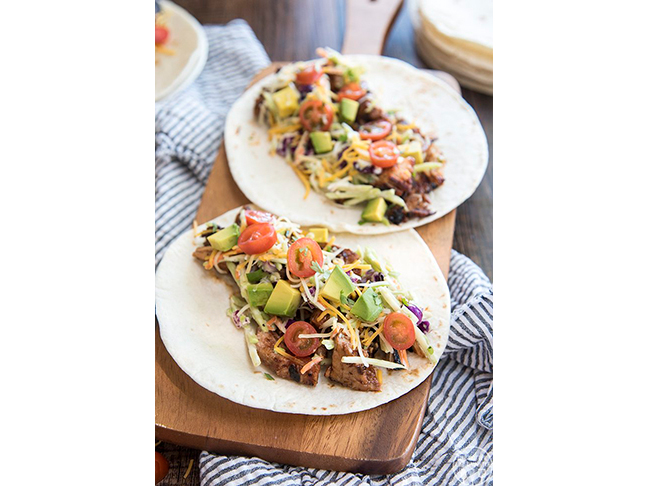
column 377, row 441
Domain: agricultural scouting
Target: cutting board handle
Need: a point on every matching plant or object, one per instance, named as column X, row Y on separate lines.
column 367, row 25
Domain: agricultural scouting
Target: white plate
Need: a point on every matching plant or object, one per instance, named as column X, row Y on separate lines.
column 188, row 40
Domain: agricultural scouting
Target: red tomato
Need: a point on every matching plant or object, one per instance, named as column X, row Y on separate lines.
column 376, row 130
column 257, row 238
column 315, row 115
column 252, row 217
column 309, row 75
column 383, row 154
column 161, row 467
column 298, row 346
column 161, row 34
column 353, row 91
column 301, row 254
column 399, row 331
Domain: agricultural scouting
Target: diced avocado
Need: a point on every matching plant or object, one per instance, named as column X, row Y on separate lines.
column 256, row 276
column 258, row 294
column 337, row 283
column 375, row 210
column 283, row 301
column 287, row 101
column 412, row 149
column 225, row 239
column 348, row 110
column 321, row 235
column 368, row 306
column 321, row 142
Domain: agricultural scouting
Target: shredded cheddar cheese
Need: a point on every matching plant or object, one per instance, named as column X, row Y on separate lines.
column 373, row 336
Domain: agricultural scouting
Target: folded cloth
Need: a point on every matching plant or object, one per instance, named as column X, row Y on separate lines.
column 456, row 442
column 455, row 445
column 189, row 127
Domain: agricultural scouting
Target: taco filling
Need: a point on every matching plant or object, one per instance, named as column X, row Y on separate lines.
column 327, row 124
column 305, row 304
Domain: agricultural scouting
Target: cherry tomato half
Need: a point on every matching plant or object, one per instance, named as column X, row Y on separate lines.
column 252, row 217
column 301, row 347
column 161, row 467
column 399, row 331
column 301, row 254
column 375, row 130
column 316, row 115
column 309, row 75
column 383, row 154
column 257, row 238
column 353, row 91
column 161, row 34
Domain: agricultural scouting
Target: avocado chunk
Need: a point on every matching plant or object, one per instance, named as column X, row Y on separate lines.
column 337, row 283
column 321, row 235
column 225, row 239
column 368, row 306
column 321, row 142
column 375, row 210
column 412, row 149
column 348, row 110
column 258, row 294
column 256, row 276
column 283, row 301
column 287, row 101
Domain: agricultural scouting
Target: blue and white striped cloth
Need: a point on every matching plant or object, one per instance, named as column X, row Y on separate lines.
column 456, row 442
column 189, row 127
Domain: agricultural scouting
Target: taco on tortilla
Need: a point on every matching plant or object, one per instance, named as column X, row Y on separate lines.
column 308, row 311
column 364, row 134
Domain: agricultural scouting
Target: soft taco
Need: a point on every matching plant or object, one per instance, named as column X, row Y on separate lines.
column 272, row 315
column 364, row 144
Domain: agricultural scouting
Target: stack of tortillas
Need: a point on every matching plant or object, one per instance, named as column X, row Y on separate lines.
column 457, row 36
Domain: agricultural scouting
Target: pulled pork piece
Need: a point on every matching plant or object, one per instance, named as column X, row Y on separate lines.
column 203, row 252
column 398, row 177
column 368, row 113
column 355, row 376
column 337, row 81
column 284, row 367
column 349, row 256
column 257, row 106
column 425, row 182
column 417, row 204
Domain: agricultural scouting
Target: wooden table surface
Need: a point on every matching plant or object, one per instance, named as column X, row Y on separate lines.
column 291, row 30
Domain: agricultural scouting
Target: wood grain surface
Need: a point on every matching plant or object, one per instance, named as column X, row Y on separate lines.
column 292, row 30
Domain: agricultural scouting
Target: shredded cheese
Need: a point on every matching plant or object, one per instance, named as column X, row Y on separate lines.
column 186, row 474
column 373, row 336
column 304, row 180
column 284, row 129
column 335, row 311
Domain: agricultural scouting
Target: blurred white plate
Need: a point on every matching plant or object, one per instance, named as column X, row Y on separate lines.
column 188, row 40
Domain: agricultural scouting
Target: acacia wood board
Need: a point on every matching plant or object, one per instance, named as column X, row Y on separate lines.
column 376, row 441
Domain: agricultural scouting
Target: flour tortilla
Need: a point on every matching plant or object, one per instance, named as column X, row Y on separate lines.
column 466, row 23
column 191, row 306
column 456, row 36
column 187, row 39
column 269, row 182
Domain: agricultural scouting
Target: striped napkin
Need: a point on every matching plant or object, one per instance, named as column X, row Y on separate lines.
column 456, row 442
